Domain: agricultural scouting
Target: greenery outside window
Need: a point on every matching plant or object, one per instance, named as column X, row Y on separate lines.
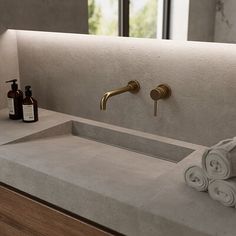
column 134, row 18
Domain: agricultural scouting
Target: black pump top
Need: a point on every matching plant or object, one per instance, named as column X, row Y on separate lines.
column 28, row 92
column 14, row 85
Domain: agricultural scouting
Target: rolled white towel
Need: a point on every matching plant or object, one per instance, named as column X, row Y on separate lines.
column 195, row 177
column 223, row 191
column 219, row 161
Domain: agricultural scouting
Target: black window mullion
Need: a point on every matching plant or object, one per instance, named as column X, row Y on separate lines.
column 124, row 18
column 166, row 19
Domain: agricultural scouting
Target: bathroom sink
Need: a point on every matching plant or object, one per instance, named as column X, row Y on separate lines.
column 87, row 161
column 82, row 133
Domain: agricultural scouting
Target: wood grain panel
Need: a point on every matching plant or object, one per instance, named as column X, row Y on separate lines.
column 7, row 230
column 22, row 216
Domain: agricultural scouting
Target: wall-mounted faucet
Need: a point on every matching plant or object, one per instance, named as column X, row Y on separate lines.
column 133, row 87
column 162, row 91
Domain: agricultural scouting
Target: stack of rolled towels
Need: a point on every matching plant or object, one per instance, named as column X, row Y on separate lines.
column 215, row 173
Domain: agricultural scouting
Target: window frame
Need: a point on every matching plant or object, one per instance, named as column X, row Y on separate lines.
column 166, row 19
column 123, row 14
column 123, row 21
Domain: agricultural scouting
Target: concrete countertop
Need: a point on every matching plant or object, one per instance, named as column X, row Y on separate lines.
column 11, row 130
column 126, row 191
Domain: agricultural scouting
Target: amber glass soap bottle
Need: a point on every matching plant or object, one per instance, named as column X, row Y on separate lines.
column 30, row 106
column 15, row 98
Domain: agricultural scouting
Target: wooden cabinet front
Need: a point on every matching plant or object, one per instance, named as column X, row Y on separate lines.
column 22, row 216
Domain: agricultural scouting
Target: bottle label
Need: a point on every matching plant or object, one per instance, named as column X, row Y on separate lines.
column 28, row 112
column 11, row 106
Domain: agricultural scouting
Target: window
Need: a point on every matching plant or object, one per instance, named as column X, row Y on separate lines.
column 103, row 17
column 143, row 18
column 134, row 18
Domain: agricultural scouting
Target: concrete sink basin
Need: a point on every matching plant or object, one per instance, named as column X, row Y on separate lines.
column 83, row 133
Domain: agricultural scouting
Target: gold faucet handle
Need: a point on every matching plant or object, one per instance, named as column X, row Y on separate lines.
column 162, row 91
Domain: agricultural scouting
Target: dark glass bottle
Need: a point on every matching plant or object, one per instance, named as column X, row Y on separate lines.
column 15, row 98
column 30, row 106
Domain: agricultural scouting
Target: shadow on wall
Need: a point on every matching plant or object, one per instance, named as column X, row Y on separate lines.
column 69, row 73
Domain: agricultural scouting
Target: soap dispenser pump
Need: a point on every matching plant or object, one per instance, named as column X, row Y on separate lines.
column 15, row 98
column 30, row 106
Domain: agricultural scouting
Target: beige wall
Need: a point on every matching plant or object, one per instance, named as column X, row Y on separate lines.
column 8, row 63
column 70, row 73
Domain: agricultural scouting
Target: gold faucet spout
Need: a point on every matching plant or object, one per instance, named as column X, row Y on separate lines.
column 133, row 87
